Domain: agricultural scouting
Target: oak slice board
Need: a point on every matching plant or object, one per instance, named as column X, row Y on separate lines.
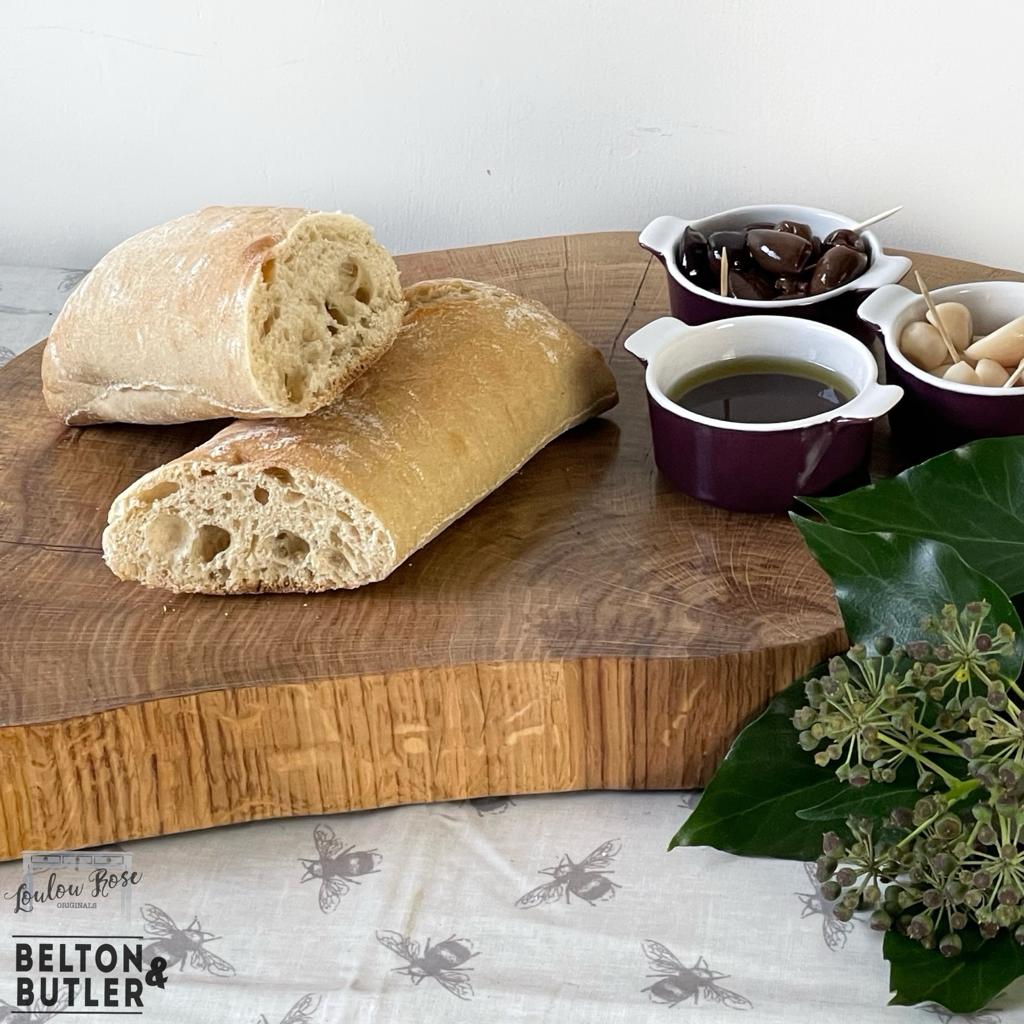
column 583, row 628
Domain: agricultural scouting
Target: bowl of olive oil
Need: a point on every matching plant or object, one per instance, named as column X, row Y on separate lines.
column 751, row 413
column 761, row 389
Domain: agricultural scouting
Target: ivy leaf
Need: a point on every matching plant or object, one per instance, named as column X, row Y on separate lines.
column 883, row 582
column 962, row 984
column 750, row 806
column 886, row 583
column 971, row 499
column 874, row 800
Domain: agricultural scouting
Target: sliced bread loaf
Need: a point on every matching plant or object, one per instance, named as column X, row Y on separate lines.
column 243, row 311
column 476, row 383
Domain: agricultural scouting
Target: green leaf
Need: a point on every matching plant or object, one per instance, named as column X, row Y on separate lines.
column 971, row 499
column 750, row 806
column 872, row 801
column 753, row 804
column 885, row 582
column 962, row 984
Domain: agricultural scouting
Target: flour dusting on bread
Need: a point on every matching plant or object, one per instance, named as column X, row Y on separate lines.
column 252, row 312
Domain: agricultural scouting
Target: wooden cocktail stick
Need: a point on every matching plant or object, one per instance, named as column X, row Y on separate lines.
column 874, row 220
column 939, row 326
column 723, row 276
column 1015, row 376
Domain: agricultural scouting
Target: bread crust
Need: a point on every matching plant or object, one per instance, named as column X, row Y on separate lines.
column 476, row 383
column 164, row 328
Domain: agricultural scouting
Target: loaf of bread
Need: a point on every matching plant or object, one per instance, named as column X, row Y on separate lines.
column 245, row 311
column 477, row 381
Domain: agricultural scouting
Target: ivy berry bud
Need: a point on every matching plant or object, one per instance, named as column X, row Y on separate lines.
column 881, row 920
column 884, row 645
column 832, row 845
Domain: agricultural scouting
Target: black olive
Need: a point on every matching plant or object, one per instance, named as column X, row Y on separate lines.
column 735, row 245
column 789, row 287
column 796, row 227
column 693, row 255
column 779, row 252
column 837, row 266
column 750, row 285
column 844, row 236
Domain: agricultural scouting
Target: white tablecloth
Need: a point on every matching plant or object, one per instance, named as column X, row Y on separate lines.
column 622, row 939
column 559, row 908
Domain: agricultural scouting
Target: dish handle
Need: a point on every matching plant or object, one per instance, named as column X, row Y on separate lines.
column 647, row 342
column 884, row 269
column 881, row 307
column 661, row 235
column 870, row 404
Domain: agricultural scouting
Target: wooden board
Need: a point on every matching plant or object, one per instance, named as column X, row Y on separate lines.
column 583, row 628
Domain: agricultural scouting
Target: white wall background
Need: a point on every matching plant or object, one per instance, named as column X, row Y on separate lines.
column 450, row 122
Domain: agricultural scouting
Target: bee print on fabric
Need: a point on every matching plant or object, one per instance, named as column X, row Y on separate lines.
column 70, row 279
column 677, row 984
column 35, row 1014
column 337, row 866
column 588, row 880
column 944, row 1016
column 179, row 946
column 445, row 962
column 491, row 804
column 834, row 931
column 301, row 1013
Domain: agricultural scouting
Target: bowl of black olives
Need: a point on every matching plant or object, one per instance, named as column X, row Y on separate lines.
column 792, row 260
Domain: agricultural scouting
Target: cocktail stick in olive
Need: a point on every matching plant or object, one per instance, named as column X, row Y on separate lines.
column 779, row 252
column 837, row 266
column 735, row 245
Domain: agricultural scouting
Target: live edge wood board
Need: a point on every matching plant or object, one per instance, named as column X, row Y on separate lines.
column 583, row 628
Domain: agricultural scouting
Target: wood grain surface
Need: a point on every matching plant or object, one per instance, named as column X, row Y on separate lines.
column 584, row 627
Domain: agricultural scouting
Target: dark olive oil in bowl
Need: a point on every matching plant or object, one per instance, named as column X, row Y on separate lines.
column 761, row 389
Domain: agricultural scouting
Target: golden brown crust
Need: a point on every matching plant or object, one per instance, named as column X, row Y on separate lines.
column 162, row 331
column 476, row 383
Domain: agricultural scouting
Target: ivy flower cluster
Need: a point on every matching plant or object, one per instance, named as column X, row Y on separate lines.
column 943, row 713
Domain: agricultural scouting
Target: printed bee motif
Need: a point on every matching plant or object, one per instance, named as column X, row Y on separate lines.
column 678, row 984
column 70, row 279
column 588, row 880
column 492, row 804
column 301, row 1013
column 445, row 962
column 337, row 866
column 948, row 1017
column 834, row 931
column 180, row 945
column 34, row 1014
